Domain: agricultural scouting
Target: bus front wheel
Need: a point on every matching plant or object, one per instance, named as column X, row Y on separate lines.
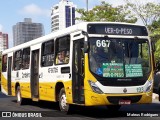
column 63, row 101
column 20, row 100
column 158, row 91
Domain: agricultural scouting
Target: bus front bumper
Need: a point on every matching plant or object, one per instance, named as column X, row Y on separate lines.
column 93, row 99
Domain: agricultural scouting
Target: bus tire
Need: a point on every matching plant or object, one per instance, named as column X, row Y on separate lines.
column 159, row 93
column 113, row 107
column 20, row 100
column 62, row 101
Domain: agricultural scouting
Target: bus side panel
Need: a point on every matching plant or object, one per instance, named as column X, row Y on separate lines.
column 48, row 79
column 24, row 76
column 4, row 86
column 46, row 84
column 68, row 90
column 25, row 89
column 13, row 84
column 46, row 91
column 21, row 77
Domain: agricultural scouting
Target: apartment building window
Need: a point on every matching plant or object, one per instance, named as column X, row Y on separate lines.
column 68, row 16
column 73, row 15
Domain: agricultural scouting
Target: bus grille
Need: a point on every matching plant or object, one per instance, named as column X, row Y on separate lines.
column 116, row 99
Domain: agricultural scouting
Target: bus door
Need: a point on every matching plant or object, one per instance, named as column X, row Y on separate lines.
column 9, row 75
column 35, row 75
column 78, row 72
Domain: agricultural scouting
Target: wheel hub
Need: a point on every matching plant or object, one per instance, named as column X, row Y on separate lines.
column 63, row 101
column 18, row 96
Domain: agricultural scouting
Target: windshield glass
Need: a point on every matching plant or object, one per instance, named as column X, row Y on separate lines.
column 119, row 58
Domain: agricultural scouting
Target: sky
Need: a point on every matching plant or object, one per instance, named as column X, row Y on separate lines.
column 14, row 11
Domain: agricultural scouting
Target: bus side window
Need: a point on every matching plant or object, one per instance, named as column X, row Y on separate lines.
column 17, row 60
column 4, row 63
column 62, row 50
column 26, row 58
column 47, row 57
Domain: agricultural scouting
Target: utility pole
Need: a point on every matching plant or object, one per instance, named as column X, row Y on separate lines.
column 87, row 5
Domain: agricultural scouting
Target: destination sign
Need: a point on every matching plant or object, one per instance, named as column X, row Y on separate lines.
column 117, row 29
column 133, row 70
column 113, row 70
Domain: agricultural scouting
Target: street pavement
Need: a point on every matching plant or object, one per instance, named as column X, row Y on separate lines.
column 49, row 110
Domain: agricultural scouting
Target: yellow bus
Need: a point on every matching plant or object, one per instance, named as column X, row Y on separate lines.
column 88, row 64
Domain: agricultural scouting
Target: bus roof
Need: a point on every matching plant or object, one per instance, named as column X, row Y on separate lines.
column 59, row 33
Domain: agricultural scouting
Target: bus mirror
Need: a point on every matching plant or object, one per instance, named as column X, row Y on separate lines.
column 86, row 46
column 84, row 33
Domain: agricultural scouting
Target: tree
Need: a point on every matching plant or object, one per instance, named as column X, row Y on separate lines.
column 147, row 12
column 106, row 12
column 155, row 35
column 155, row 28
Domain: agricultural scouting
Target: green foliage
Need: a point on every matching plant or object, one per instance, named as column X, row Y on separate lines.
column 147, row 12
column 155, row 28
column 106, row 12
column 155, row 35
column 157, row 52
column 133, row 10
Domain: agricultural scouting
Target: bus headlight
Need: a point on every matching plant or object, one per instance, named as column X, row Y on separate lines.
column 94, row 87
column 149, row 86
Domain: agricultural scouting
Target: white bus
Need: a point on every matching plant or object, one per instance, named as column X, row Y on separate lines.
column 89, row 64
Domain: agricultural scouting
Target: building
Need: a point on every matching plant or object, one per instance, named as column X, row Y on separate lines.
column 62, row 15
column 26, row 31
column 3, row 41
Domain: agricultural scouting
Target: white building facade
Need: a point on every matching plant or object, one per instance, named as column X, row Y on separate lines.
column 62, row 15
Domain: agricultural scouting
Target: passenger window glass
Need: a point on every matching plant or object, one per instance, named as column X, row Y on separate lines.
column 18, row 60
column 26, row 58
column 62, row 50
column 47, row 57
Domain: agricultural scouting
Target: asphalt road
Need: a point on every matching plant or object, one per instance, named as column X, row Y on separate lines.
column 48, row 110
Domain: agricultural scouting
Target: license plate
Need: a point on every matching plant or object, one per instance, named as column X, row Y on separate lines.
column 124, row 102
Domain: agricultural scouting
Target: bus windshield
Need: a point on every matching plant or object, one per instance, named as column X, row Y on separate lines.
column 119, row 58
